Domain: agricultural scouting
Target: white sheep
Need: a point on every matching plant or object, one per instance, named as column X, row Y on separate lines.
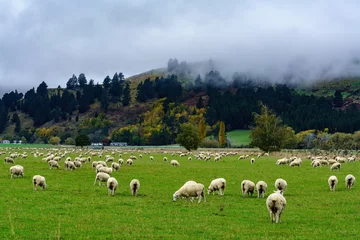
column 115, row 166
column 276, row 204
column 112, row 185
column 296, row 162
column 252, row 160
column 349, row 181
column 335, row 166
column 39, row 181
column 121, row 161
column 191, row 189
column 316, row 163
column 8, row 160
column 189, row 159
column 101, row 177
column 78, row 163
column 261, row 188
column 129, row 162
column 281, row 185
column 53, row 163
column 134, row 187
column 94, row 164
column 218, row 184
column 165, row 159
column 17, row 170
column 247, row 187
column 174, row 163
column 107, row 170
column 332, row 181
column 70, row 165
column 151, row 158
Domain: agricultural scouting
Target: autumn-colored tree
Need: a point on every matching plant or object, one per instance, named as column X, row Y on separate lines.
column 54, row 141
column 202, row 129
column 222, row 135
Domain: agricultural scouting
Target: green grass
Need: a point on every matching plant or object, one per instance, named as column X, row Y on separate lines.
column 73, row 208
column 26, row 146
column 239, row 137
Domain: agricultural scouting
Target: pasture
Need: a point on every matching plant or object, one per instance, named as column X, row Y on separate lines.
column 239, row 137
column 72, row 207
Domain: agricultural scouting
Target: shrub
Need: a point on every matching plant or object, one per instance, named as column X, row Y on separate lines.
column 54, row 141
column 207, row 143
column 69, row 141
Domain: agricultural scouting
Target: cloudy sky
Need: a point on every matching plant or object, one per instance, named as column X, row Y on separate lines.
column 50, row 40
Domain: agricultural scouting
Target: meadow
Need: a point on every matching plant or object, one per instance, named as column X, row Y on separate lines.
column 239, row 137
column 72, row 207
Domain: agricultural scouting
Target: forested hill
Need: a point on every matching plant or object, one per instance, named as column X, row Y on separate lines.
column 149, row 108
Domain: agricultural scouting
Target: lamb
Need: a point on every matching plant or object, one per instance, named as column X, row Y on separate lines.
column 53, row 163
column 8, row 160
column 332, row 181
column 335, row 166
column 276, row 204
column 112, row 185
column 17, row 170
column 101, row 177
column 115, row 166
column 252, row 160
column 349, row 181
column 191, row 189
column 39, row 181
column 129, row 162
column 261, row 188
column 174, row 163
column 105, row 170
column 218, row 184
column 247, row 187
column 281, row 184
column 134, row 187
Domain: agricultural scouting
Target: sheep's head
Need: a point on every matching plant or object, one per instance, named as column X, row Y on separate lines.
column 210, row 190
column 279, row 191
column 175, row 196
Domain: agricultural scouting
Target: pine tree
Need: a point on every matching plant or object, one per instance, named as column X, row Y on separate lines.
column 200, row 103
column 126, row 95
column 222, row 135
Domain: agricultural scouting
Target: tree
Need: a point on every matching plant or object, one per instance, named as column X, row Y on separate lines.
column 269, row 133
column 126, row 95
column 188, row 137
column 69, row 141
column 106, row 82
column 104, row 100
column 82, row 140
column 54, row 141
column 222, row 135
column 200, row 103
column 72, row 82
column 338, row 99
column 202, row 129
column 82, row 80
column 17, row 125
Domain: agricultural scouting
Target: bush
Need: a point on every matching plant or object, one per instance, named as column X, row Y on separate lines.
column 54, row 141
column 207, row 143
column 69, row 141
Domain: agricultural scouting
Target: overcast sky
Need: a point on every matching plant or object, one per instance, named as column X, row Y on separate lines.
column 49, row 40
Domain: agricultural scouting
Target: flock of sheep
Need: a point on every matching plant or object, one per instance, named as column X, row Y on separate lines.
column 275, row 202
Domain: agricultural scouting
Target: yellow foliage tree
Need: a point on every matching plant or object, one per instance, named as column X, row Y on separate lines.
column 222, row 136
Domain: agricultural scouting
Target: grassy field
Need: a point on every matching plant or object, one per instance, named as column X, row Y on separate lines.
column 73, row 208
column 239, row 137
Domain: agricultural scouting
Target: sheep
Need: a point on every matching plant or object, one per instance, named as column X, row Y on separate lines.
column 17, row 170
column 129, row 162
column 70, row 165
column 218, row 184
column 102, row 163
column 276, row 204
column 335, row 166
column 174, row 163
column 105, row 170
column 109, row 159
column 349, row 181
column 332, row 181
column 134, row 187
column 252, row 160
column 101, row 177
column 115, row 166
column 189, row 159
column 191, row 189
column 8, row 160
column 112, row 185
column 261, row 188
column 121, row 161
column 247, row 187
column 151, row 158
column 282, row 161
column 39, row 181
column 281, row 184
column 242, row 157
column 77, row 164
column 316, row 163
column 53, row 163
column 296, row 162
column 165, row 159
column 94, row 164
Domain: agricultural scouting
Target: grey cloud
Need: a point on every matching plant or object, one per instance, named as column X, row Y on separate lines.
column 50, row 40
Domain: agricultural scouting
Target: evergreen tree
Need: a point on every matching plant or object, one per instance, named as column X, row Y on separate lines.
column 72, row 82
column 115, row 88
column 104, row 101
column 106, row 82
column 82, row 80
column 200, row 103
column 126, row 95
column 42, row 89
column 3, row 116
column 222, row 134
column 82, row 140
column 338, row 99
column 15, row 118
column 198, row 84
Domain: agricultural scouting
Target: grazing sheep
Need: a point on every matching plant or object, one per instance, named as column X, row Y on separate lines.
column 191, row 189
column 112, row 185
column 8, row 160
column 94, row 164
column 151, row 158
column 174, row 163
column 102, row 163
column 70, row 165
column 247, row 187
column 134, row 187
column 296, row 162
column 335, row 166
column 261, row 188
column 349, row 181
column 109, row 159
column 332, row 181
column 39, row 181
column 316, row 163
column 17, row 170
column 242, row 157
column 129, row 162
column 252, row 160
column 282, row 161
column 101, row 177
column 77, row 164
column 189, row 159
column 121, row 161
column 165, row 159
column 53, row 164
column 218, row 184
column 281, row 185
column 115, row 166
column 276, row 204
column 105, row 170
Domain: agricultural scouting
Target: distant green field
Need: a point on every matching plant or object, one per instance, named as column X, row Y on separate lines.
column 27, row 146
column 72, row 207
column 239, row 137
